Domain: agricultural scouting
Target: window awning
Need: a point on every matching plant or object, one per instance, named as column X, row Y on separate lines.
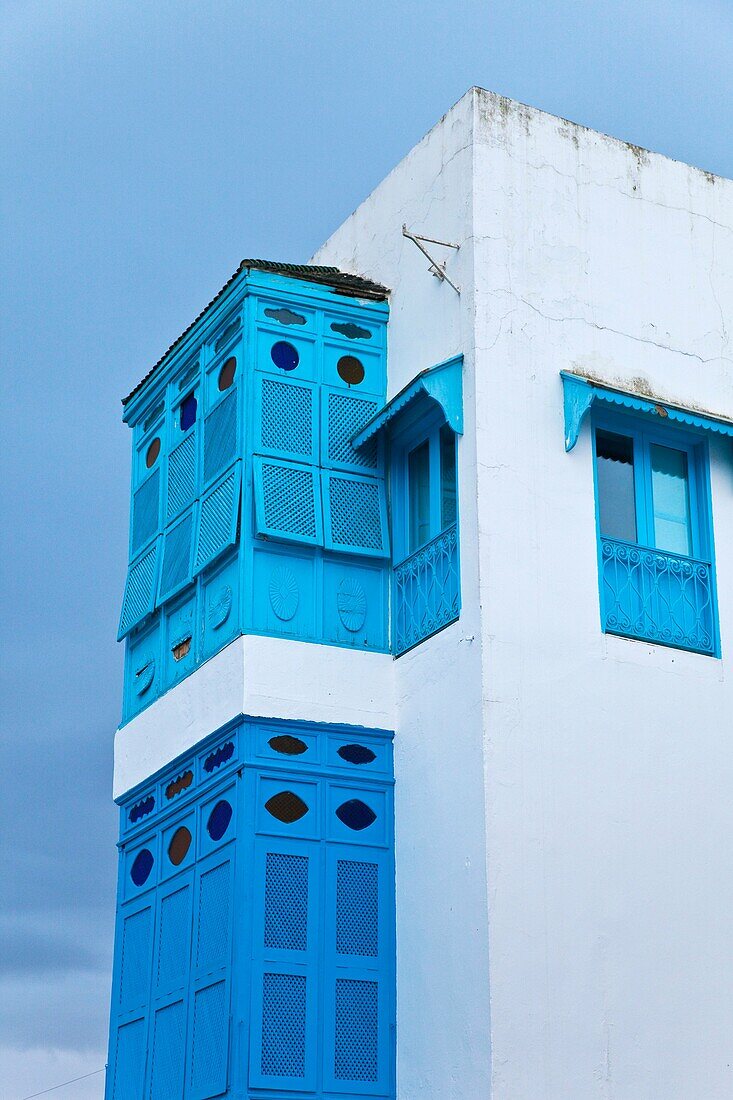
column 580, row 393
column 442, row 384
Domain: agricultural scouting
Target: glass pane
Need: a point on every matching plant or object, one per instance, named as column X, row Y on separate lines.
column 671, row 497
column 615, row 474
column 188, row 412
column 418, row 490
column 447, row 477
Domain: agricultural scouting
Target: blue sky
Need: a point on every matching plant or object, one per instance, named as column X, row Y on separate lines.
column 146, row 148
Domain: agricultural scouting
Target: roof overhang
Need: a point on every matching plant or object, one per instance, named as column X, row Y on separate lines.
column 580, row 393
column 442, row 384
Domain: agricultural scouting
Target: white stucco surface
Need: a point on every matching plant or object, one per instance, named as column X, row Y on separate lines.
column 564, row 870
column 260, row 677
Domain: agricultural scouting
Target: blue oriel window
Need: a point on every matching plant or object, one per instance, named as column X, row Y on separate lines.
column 655, row 533
column 426, row 576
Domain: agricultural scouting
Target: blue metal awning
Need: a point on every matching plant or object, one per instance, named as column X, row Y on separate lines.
column 580, row 393
column 442, row 384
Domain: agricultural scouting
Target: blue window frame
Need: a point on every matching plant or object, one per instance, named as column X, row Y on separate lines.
column 655, row 536
column 426, row 581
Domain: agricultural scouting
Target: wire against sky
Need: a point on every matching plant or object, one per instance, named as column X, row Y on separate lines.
column 63, row 1084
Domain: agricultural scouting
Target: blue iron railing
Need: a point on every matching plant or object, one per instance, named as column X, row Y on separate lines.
column 657, row 596
column 426, row 592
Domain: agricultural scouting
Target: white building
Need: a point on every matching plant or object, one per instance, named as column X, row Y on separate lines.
column 562, row 765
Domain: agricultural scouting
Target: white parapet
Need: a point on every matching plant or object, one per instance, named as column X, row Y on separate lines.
column 260, row 677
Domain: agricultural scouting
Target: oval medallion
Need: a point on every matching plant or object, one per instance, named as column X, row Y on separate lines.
column 351, row 602
column 284, row 594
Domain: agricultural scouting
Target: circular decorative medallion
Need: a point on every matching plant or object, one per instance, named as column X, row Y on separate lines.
column 220, row 607
column 284, row 593
column 351, row 602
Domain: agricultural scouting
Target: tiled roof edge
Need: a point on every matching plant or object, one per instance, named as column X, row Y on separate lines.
column 340, row 281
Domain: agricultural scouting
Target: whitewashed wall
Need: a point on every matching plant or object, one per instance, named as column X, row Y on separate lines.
column 610, row 762
column 564, row 798
column 443, row 1025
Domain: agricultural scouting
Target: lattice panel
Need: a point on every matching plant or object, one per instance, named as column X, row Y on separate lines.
column 356, row 515
column 173, row 939
column 283, row 1025
column 129, row 1060
column 210, row 1045
column 218, row 519
column 220, row 436
column 139, row 598
column 356, row 1053
column 345, row 416
column 357, row 908
column 176, row 570
column 286, row 902
column 286, row 418
column 181, row 476
column 212, row 945
column 135, row 962
column 168, row 1061
column 145, row 511
column 287, row 501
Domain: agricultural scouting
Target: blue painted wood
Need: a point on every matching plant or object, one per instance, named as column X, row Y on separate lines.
column 647, row 591
column 581, row 393
column 266, row 958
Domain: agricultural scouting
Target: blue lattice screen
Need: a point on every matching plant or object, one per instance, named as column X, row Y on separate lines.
column 145, row 512
column 182, row 476
column 218, row 519
column 220, row 437
column 287, row 501
column 140, row 587
column 177, row 548
column 356, row 514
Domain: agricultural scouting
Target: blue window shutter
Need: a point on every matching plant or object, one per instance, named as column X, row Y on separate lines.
column 129, row 1060
column 135, row 959
column 358, row 974
column 220, row 436
column 218, row 519
column 355, row 514
column 145, row 512
column 174, row 941
column 343, row 415
column 181, row 476
column 286, row 419
column 175, row 572
column 168, row 1060
column 210, row 1040
column 287, row 501
column 211, row 961
column 356, row 1025
column 286, row 950
column 140, row 588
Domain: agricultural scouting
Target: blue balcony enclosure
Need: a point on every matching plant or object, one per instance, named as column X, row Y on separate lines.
column 426, row 591
column 654, row 515
column 255, row 920
column 419, row 429
column 658, row 597
column 251, row 511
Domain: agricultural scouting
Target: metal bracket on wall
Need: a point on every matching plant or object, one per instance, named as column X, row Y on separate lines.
column 436, row 267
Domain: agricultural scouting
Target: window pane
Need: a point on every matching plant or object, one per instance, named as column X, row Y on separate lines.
column 418, row 489
column 671, row 497
column 615, row 473
column 447, row 477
